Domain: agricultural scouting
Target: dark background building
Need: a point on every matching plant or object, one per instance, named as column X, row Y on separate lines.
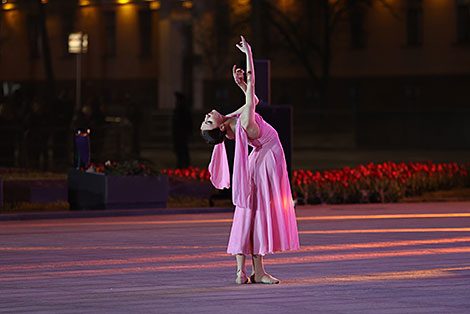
column 359, row 74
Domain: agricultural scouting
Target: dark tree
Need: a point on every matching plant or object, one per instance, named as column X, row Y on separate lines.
column 306, row 30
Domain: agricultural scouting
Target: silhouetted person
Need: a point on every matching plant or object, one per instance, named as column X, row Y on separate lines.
column 92, row 117
column 182, row 130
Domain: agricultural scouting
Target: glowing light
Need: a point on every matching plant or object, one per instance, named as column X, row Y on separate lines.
column 44, row 1
column 84, row 3
column 155, row 5
column 284, row 4
column 123, row 1
column 8, row 6
column 187, row 4
column 78, row 43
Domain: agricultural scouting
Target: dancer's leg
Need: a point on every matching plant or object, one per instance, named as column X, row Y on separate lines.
column 241, row 270
column 259, row 275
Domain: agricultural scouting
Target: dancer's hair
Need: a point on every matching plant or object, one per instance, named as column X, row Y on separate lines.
column 214, row 136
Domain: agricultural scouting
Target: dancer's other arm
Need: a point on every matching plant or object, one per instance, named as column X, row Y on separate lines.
column 247, row 116
column 240, row 81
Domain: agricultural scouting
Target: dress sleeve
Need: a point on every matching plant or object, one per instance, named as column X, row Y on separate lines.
column 218, row 167
column 241, row 181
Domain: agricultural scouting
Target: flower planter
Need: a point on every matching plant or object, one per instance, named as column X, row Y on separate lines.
column 34, row 191
column 99, row 191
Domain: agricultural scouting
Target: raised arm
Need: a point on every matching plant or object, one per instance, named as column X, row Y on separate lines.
column 238, row 77
column 247, row 116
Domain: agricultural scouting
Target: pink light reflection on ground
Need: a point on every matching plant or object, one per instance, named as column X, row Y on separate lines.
column 202, row 221
column 386, row 230
column 199, row 265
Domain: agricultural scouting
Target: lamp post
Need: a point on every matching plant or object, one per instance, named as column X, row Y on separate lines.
column 78, row 44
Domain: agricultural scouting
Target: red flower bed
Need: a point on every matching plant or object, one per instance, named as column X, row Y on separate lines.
column 126, row 168
column 387, row 182
column 187, row 174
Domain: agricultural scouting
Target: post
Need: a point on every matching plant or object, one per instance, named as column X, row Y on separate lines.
column 78, row 44
column 78, row 89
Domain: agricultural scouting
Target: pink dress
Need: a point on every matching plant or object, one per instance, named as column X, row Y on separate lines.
column 264, row 219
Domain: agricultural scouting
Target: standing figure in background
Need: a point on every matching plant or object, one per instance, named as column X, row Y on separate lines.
column 264, row 219
column 182, row 126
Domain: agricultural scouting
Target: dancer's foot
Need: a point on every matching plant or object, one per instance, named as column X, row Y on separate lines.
column 264, row 278
column 242, row 278
column 241, row 270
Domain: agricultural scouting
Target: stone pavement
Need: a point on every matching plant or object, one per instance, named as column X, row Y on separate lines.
column 374, row 258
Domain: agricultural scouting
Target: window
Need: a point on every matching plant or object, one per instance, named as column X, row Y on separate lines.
column 109, row 33
column 414, row 23
column 145, row 25
column 358, row 34
column 34, row 36
column 463, row 21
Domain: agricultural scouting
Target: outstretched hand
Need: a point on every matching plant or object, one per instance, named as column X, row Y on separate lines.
column 238, row 76
column 243, row 45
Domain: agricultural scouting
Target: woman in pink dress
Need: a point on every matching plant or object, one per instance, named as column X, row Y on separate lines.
column 264, row 219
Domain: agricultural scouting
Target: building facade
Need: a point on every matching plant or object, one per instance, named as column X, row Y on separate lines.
column 395, row 56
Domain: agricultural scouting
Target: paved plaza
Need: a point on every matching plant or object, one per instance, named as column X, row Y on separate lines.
column 373, row 258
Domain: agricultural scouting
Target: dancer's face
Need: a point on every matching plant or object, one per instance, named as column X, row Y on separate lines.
column 212, row 120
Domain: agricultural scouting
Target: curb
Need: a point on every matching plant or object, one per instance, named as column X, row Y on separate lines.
column 113, row 213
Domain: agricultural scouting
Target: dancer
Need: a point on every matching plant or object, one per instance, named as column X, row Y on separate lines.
column 264, row 219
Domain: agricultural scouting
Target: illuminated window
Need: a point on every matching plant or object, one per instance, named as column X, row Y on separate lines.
column 357, row 24
column 463, row 21
column 414, row 23
column 109, row 33
column 145, row 25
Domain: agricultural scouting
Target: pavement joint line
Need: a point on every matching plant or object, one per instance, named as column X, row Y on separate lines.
column 386, row 230
column 164, row 222
column 392, row 216
column 279, row 260
column 226, row 264
column 308, row 248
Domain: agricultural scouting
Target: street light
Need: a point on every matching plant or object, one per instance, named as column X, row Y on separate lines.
column 78, row 44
